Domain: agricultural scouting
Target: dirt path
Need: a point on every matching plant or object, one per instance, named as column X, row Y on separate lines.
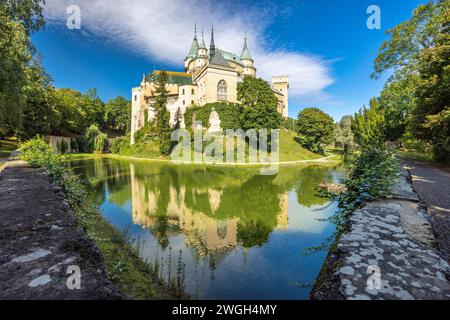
column 40, row 238
column 433, row 187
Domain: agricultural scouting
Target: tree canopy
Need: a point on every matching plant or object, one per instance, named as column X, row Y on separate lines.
column 315, row 129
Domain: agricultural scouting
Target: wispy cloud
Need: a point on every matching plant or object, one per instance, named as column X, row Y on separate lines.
column 162, row 30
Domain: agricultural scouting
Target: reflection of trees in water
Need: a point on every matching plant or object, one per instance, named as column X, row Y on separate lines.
column 213, row 196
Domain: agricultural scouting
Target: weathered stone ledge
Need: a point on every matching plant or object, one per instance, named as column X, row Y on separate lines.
column 391, row 236
column 40, row 238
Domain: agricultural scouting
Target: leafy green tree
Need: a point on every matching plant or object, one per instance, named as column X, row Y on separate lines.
column 397, row 102
column 90, row 138
column 315, row 129
column 431, row 120
column 368, row 126
column 259, row 105
column 39, row 115
column 118, row 114
column 18, row 18
column 69, row 114
column 162, row 116
column 343, row 135
column 92, row 108
column 402, row 51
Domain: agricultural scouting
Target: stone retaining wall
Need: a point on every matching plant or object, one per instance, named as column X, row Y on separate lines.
column 389, row 253
column 41, row 242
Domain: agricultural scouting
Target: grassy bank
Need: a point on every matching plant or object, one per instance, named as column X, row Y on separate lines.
column 134, row 277
column 289, row 149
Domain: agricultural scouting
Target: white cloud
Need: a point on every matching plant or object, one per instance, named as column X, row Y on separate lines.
column 163, row 29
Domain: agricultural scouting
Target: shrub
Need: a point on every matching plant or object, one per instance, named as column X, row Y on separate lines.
column 118, row 143
column 39, row 153
column 36, row 152
column 229, row 114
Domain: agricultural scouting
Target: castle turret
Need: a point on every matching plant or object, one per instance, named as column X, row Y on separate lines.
column 193, row 52
column 247, row 60
column 281, row 84
column 202, row 51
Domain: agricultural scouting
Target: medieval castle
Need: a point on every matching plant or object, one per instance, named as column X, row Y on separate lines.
column 210, row 76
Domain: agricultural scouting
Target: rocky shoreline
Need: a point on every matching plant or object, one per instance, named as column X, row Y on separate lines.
column 42, row 245
column 388, row 253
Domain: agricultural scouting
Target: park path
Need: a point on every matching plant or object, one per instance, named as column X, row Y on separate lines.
column 433, row 187
column 40, row 239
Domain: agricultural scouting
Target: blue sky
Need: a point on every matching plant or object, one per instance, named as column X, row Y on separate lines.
column 324, row 46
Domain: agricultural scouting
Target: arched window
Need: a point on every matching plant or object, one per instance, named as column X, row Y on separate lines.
column 222, row 90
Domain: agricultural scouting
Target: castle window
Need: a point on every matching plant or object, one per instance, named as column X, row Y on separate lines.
column 135, row 98
column 183, row 92
column 222, row 90
column 192, row 102
column 184, row 102
column 192, row 91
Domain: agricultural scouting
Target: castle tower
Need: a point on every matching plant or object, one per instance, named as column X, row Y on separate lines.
column 281, row 83
column 193, row 52
column 202, row 51
column 246, row 58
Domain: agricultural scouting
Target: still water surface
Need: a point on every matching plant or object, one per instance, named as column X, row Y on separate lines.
column 236, row 234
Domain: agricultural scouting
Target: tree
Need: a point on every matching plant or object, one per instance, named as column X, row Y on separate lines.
column 118, row 114
column 259, row 105
column 397, row 102
column 401, row 52
column 39, row 115
column 162, row 116
column 431, row 117
column 368, row 126
column 18, row 18
column 315, row 129
column 92, row 108
column 343, row 135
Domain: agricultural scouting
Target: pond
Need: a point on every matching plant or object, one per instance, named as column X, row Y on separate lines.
column 225, row 232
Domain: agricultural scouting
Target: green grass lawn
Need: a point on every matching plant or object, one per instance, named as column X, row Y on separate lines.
column 7, row 146
column 291, row 150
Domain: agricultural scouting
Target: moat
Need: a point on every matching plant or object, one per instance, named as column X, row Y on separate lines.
column 227, row 233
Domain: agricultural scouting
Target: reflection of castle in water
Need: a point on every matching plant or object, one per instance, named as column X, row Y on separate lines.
column 207, row 234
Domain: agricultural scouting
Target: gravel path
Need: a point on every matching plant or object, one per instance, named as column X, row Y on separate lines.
column 433, row 186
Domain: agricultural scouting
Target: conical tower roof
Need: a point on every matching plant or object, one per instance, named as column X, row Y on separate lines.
column 202, row 44
column 245, row 55
column 194, row 47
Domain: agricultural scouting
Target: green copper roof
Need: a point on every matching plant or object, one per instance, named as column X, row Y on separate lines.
column 194, row 49
column 245, row 55
column 230, row 56
column 178, row 78
column 202, row 44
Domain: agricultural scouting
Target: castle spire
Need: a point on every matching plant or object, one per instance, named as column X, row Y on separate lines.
column 245, row 55
column 194, row 46
column 202, row 44
column 212, row 47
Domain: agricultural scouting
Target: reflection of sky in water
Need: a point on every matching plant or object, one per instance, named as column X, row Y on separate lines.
column 276, row 269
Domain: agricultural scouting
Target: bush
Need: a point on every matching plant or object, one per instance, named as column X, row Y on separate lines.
column 39, row 153
column 372, row 173
column 36, row 152
column 229, row 114
column 118, row 143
